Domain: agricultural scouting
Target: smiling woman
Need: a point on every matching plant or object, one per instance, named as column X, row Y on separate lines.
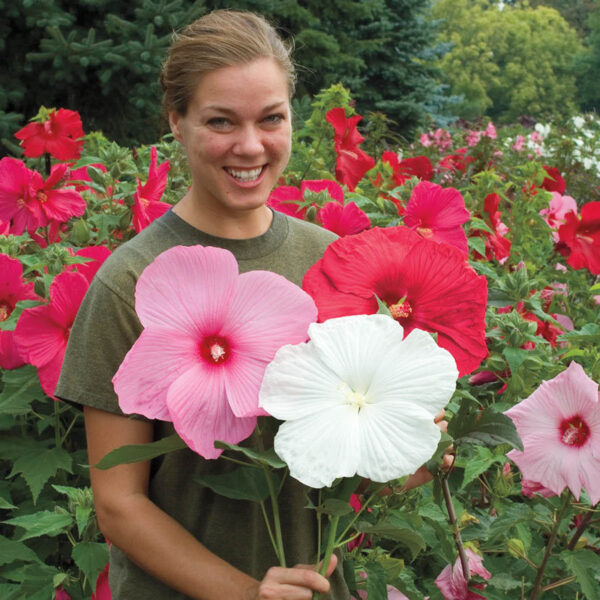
column 227, row 84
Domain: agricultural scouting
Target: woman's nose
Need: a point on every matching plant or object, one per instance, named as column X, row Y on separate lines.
column 249, row 141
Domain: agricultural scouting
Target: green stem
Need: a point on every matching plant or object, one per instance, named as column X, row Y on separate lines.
column 333, row 525
column 276, row 520
column 57, row 426
column 553, row 534
column 362, row 509
column 270, row 531
column 464, row 561
column 319, row 524
column 555, row 584
column 66, row 434
column 585, row 521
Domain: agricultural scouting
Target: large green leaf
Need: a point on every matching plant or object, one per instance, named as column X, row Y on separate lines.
column 245, row 483
column 476, row 465
column 513, row 515
column 376, row 588
column 38, row 465
column 37, row 581
column 91, row 558
column 395, row 529
column 20, row 388
column 487, row 427
column 12, row 550
column 42, row 523
column 589, row 333
column 584, row 564
column 266, row 457
column 139, row 452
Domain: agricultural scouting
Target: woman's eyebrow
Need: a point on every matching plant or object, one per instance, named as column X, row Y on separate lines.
column 230, row 111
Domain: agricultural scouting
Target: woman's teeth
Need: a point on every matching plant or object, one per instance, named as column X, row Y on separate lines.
column 249, row 175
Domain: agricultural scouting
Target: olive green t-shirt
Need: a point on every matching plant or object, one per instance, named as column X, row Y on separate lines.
column 105, row 329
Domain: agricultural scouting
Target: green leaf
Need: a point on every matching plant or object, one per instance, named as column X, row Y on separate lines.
column 334, row 506
column 515, row 357
column 476, row 465
column 5, row 504
column 395, row 529
column 20, row 388
column 435, row 462
column 343, row 488
column 38, row 466
column 82, row 517
column 245, row 483
column 514, row 514
column 583, row 564
column 590, row 332
column 139, row 452
column 487, row 427
column 477, row 244
column 266, row 457
column 37, row 581
column 12, row 550
column 42, row 523
column 376, row 582
column 383, row 308
column 91, row 558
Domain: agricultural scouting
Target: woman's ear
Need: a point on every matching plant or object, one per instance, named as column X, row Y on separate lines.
column 174, row 117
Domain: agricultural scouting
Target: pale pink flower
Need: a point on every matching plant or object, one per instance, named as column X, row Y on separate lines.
column 490, row 131
column 452, row 583
column 529, row 488
column 473, row 138
column 559, row 425
column 425, row 140
column 554, row 215
column 519, row 143
column 208, row 336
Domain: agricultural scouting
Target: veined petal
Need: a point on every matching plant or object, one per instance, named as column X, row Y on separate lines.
column 38, row 337
column 258, row 322
column 194, row 282
column 201, row 413
column 395, row 440
column 297, row 384
column 416, row 371
column 243, row 376
column 321, row 447
column 150, row 367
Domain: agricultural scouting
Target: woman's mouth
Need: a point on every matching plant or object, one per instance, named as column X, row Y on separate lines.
column 245, row 175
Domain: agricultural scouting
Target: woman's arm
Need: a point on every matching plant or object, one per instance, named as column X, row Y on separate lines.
column 159, row 544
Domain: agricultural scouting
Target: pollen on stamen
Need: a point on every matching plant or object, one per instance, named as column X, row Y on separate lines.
column 214, row 349
column 425, row 232
column 400, row 310
column 574, row 431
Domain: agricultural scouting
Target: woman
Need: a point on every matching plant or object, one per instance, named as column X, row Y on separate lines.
column 227, row 84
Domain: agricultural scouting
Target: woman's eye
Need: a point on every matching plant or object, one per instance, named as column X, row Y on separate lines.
column 274, row 119
column 219, row 122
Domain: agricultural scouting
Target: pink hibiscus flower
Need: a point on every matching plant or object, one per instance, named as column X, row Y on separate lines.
column 200, row 364
column 451, row 581
column 29, row 202
column 559, row 425
column 12, row 289
column 147, row 205
column 42, row 332
column 425, row 285
column 352, row 162
column 343, row 220
column 417, row 166
column 61, row 594
column 554, row 215
column 579, row 238
column 437, row 213
column 529, row 488
column 61, row 136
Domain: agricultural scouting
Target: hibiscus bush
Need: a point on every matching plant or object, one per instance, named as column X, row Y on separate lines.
column 489, row 239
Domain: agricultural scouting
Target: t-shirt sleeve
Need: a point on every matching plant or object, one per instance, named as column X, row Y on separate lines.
column 104, row 330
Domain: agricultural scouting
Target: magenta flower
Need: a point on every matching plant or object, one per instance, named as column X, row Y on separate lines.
column 200, row 363
column 559, row 425
column 102, row 586
column 343, row 220
column 12, row 290
column 438, row 213
column 29, row 202
column 451, row 581
column 288, row 199
column 147, row 205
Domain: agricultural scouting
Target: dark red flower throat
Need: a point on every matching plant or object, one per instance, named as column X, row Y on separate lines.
column 215, row 349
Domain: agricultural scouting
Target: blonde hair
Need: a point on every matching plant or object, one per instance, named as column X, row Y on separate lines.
column 222, row 38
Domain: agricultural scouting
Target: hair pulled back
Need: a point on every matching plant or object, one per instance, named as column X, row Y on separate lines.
column 222, row 38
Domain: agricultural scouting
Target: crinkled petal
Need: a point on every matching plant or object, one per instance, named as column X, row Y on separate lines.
column 187, row 289
column 153, row 363
column 321, row 447
column 38, row 337
column 201, row 414
column 243, row 377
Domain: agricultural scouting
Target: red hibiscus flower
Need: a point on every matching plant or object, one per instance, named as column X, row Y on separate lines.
column 437, row 213
column 147, row 205
column 554, row 182
column 343, row 220
column 580, row 238
column 455, row 162
column 426, row 285
column 352, row 162
column 417, row 166
column 42, row 332
column 496, row 245
column 102, row 588
column 290, row 200
column 12, row 290
column 61, row 136
column 29, row 202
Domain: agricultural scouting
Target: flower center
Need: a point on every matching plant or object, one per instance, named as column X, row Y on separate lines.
column 401, row 310
column 41, row 196
column 357, row 400
column 574, row 431
column 425, row 232
column 5, row 311
column 214, row 349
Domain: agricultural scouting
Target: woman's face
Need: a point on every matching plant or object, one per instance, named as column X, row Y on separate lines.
column 237, row 135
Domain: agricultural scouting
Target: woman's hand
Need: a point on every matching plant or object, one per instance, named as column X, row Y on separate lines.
column 297, row 583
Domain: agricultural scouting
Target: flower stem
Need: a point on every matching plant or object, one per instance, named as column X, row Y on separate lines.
column 276, row 520
column 57, row 426
column 331, row 543
column 555, row 584
column 537, row 586
column 47, row 163
column 464, row 561
column 585, row 521
column 362, row 509
column 268, row 524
